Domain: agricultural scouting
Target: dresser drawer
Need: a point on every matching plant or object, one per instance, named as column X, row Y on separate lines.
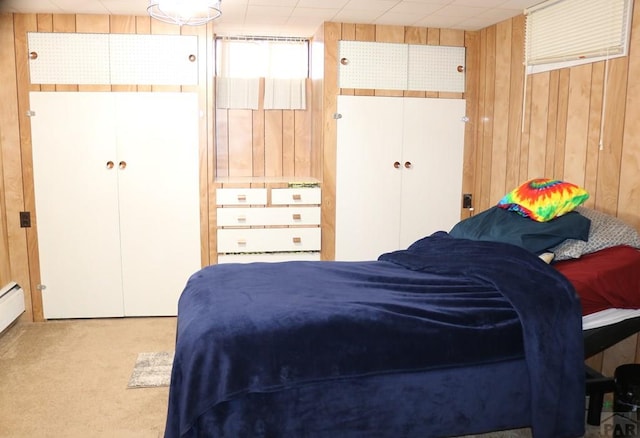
column 241, row 196
column 268, row 257
column 235, row 240
column 309, row 195
column 239, row 217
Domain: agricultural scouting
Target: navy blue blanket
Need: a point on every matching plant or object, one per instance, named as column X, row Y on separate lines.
column 443, row 302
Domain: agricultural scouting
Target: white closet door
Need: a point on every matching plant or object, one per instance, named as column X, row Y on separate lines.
column 369, row 142
column 73, row 138
column 159, row 198
column 432, row 185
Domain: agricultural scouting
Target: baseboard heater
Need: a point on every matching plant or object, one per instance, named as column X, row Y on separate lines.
column 11, row 304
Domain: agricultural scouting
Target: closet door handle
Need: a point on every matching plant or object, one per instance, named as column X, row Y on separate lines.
column 396, row 164
column 109, row 165
column 408, row 165
column 122, row 165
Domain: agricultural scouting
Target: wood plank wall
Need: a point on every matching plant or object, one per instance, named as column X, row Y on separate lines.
column 259, row 143
column 327, row 74
column 19, row 259
column 560, row 134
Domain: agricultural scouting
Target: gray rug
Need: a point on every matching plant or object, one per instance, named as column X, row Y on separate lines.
column 152, row 370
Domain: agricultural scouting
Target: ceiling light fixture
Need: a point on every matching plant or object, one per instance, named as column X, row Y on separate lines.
column 185, row 12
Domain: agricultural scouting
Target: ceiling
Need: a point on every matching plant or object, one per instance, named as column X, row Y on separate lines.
column 302, row 17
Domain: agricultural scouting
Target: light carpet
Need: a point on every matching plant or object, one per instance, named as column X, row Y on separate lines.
column 152, row 370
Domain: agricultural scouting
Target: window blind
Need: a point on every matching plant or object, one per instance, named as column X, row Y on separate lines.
column 576, row 31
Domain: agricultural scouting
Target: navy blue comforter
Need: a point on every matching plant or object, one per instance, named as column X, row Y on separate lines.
column 443, row 302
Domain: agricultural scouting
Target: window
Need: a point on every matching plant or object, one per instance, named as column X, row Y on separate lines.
column 563, row 33
column 262, row 58
column 242, row 61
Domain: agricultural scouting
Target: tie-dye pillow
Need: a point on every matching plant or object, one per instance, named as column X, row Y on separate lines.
column 543, row 199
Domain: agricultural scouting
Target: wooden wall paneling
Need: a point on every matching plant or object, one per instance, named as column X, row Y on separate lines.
column 329, row 107
column 538, row 132
column 501, row 111
column 610, row 157
column 593, row 140
column 5, row 255
column 302, row 122
column 12, row 68
column 472, row 87
column 552, row 125
column 389, row 34
column 365, row 32
column 577, row 124
column 93, row 24
column 317, row 102
column 629, row 199
column 514, row 119
column 258, row 129
column 288, row 142
column 488, row 56
column 273, row 146
column 7, row 76
column 415, row 35
column 240, row 142
column 562, row 114
column 23, row 25
column 595, row 361
column 455, row 38
column 526, row 129
column 208, row 46
column 222, row 143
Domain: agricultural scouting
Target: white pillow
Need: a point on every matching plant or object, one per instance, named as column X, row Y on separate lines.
column 605, row 231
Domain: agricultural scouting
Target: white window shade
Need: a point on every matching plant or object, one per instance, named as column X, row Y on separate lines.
column 561, row 33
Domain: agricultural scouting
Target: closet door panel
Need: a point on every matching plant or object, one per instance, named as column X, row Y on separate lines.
column 73, row 139
column 432, row 182
column 368, row 184
column 159, row 198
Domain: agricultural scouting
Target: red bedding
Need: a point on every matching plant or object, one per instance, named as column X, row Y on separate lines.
column 609, row 278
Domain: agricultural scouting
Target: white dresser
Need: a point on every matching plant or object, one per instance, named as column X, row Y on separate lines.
column 268, row 224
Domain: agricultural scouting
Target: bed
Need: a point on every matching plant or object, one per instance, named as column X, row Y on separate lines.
column 448, row 337
column 478, row 329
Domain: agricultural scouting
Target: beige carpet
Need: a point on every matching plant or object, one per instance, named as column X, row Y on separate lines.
column 69, row 379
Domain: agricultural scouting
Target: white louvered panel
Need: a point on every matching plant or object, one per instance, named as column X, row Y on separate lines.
column 435, row 68
column 269, row 257
column 373, row 65
column 241, row 196
column 296, row 196
column 234, row 240
column 68, row 58
column 238, row 217
column 154, row 59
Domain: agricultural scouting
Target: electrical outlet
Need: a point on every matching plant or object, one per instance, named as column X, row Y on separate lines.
column 25, row 219
column 467, row 200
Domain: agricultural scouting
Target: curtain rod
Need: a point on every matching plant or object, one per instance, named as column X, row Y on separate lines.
column 262, row 38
